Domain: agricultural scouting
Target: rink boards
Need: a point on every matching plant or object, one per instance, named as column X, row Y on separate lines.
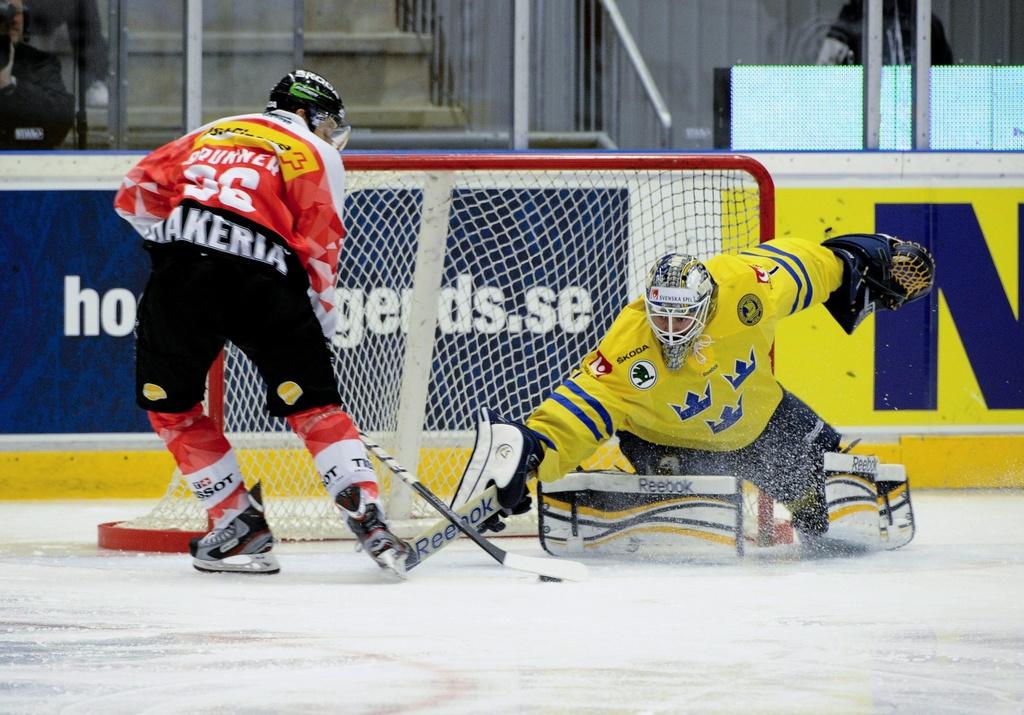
column 936, row 386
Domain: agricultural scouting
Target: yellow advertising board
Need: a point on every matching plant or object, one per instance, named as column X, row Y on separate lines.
column 965, row 375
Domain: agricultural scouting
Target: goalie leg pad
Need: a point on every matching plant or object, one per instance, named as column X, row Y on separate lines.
column 614, row 513
column 869, row 504
column 895, row 510
column 852, row 509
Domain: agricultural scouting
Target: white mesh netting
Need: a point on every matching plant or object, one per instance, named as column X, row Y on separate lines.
column 468, row 282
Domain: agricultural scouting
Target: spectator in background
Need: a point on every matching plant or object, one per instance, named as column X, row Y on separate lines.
column 842, row 45
column 82, row 19
column 36, row 110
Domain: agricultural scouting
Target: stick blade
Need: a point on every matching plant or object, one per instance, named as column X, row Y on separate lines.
column 553, row 568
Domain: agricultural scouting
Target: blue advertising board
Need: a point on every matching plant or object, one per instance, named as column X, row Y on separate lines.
column 515, row 262
column 525, row 294
column 73, row 271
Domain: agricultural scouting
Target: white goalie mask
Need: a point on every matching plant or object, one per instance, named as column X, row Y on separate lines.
column 680, row 300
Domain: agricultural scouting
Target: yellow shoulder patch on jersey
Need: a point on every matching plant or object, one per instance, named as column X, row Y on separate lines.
column 749, row 309
column 295, row 156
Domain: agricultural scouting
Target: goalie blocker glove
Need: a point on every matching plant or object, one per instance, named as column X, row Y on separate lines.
column 506, row 455
column 515, row 460
column 880, row 273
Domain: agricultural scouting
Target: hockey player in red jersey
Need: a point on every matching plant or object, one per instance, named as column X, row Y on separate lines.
column 242, row 219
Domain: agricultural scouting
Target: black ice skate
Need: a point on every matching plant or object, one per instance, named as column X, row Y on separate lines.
column 242, row 546
column 366, row 521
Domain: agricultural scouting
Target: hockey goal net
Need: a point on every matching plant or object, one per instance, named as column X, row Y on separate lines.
column 472, row 280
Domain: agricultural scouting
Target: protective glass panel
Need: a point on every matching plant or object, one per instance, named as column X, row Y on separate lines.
column 152, row 83
column 247, row 47
column 53, row 73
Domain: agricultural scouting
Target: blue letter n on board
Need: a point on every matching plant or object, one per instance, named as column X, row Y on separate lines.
column 906, row 341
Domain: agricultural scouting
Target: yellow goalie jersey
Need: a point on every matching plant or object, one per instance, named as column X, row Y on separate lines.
column 722, row 396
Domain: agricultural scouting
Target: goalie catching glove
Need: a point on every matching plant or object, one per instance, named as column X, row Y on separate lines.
column 880, row 273
column 506, row 454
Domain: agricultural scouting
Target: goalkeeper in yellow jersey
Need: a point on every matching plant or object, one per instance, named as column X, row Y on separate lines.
column 684, row 377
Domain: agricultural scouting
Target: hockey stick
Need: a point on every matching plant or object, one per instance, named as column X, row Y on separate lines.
column 442, row 532
column 560, row 569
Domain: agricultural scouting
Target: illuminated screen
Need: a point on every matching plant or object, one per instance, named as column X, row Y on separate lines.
column 821, row 107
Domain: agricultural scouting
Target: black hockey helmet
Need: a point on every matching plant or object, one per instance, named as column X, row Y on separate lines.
column 302, row 89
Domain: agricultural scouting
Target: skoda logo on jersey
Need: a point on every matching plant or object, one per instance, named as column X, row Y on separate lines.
column 632, row 353
column 749, row 309
column 643, row 374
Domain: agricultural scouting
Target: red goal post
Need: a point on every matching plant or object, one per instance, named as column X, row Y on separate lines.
column 471, row 280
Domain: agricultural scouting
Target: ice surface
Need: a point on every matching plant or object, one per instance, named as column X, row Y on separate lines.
column 937, row 627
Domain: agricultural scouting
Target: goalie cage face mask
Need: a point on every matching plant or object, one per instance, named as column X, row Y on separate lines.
column 680, row 299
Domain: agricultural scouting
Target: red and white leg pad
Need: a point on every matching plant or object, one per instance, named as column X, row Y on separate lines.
column 338, row 453
column 205, row 459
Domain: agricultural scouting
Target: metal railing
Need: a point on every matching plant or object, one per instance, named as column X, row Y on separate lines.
column 594, row 91
column 615, row 102
column 622, row 96
column 423, row 17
